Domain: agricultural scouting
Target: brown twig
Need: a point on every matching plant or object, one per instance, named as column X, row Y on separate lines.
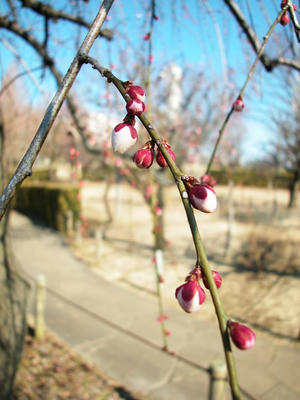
column 25, row 167
column 199, row 247
column 260, row 54
column 49, row 12
column 268, row 63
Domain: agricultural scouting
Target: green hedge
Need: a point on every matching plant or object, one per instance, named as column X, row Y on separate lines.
column 252, row 177
column 49, row 202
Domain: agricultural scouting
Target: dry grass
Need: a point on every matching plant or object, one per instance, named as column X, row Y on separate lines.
column 261, row 270
column 50, row 370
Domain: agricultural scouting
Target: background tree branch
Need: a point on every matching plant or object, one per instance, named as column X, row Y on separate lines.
column 268, row 62
column 49, row 12
column 25, row 167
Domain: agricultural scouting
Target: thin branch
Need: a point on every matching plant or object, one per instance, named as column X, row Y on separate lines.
column 241, row 92
column 201, row 255
column 25, row 66
column 46, row 30
column 49, row 61
column 25, row 167
column 47, row 11
column 12, row 80
column 13, row 9
column 268, row 63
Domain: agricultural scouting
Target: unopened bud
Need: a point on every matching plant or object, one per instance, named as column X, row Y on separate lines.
column 208, row 179
column 160, row 159
column 217, row 278
column 284, row 20
column 135, row 107
column 144, row 157
column 203, row 197
column 123, row 137
column 136, row 92
column 242, row 336
column 238, row 105
column 190, row 296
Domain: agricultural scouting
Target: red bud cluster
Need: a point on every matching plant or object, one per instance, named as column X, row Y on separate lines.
column 241, row 335
column 202, row 196
column 191, row 295
column 145, row 156
column 124, row 135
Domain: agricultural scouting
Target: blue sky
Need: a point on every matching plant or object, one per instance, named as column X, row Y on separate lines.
column 194, row 34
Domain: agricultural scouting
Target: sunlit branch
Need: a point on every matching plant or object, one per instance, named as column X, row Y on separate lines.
column 241, row 92
column 49, row 12
column 268, row 63
column 25, row 167
column 199, row 247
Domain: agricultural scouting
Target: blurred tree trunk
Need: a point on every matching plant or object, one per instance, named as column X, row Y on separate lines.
column 294, row 189
column 13, row 296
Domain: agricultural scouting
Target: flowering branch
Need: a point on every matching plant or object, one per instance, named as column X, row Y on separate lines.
column 268, row 62
column 25, row 167
column 260, row 54
column 179, row 178
column 49, row 12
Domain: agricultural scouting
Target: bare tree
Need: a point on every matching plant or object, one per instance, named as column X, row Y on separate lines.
column 285, row 150
column 13, row 287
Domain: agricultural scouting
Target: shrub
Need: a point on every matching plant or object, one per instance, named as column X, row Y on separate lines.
column 252, row 177
column 49, row 202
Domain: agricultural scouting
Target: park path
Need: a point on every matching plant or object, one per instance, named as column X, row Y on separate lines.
column 115, row 327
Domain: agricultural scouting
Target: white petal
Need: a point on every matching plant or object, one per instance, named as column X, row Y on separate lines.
column 189, row 306
column 122, row 140
column 208, row 205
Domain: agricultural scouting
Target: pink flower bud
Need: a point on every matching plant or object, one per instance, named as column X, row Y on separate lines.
column 242, row 336
column 74, row 153
column 136, row 92
column 151, row 59
column 217, row 278
column 190, row 296
column 148, row 192
column 123, row 137
column 160, row 159
column 92, row 140
column 135, row 107
column 158, row 211
column 156, row 17
column 162, row 318
column 144, row 158
column 208, row 179
column 147, row 36
column 238, row 105
column 284, row 20
column 203, row 197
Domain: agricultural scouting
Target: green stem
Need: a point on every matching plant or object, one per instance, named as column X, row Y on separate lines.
column 241, row 92
column 157, row 246
column 201, row 256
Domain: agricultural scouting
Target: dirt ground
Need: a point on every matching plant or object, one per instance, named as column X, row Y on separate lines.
column 50, row 370
column 260, row 268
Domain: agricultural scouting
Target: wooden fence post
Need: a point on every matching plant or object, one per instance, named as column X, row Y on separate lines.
column 69, row 223
column 218, row 380
column 40, row 307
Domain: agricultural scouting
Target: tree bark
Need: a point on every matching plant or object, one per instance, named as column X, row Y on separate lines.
column 294, row 190
column 13, row 301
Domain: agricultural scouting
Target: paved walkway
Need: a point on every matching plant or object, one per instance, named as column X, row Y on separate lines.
column 115, row 327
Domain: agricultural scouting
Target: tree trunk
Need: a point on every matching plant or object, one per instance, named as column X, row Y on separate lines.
column 294, row 190
column 13, row 296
